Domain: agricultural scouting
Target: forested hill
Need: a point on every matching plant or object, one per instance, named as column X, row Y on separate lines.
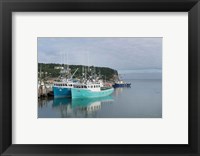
column 53, row 70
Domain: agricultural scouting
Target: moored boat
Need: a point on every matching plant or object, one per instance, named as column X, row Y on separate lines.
column 90, row 90
column 62, row 88
column 121, row 84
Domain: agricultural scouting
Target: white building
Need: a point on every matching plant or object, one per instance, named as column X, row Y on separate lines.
column 58, row 67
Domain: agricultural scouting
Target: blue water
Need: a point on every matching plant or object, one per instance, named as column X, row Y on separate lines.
column 142, row 100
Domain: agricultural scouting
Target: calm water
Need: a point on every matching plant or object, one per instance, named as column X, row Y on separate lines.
column 142, row 100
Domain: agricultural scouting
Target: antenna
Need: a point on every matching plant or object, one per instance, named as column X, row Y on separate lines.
column 64, row 59
column 88, row 61
column 40, row 71
column 61, row 58
column 67, row 61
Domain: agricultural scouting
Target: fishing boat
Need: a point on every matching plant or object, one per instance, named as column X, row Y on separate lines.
column 62, row 87
column 121, row 84
column 90, row 90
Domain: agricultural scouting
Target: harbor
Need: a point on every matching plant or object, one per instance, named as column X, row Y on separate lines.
column 88, row 84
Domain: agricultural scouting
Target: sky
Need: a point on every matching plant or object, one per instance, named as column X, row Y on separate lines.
column 116, row 53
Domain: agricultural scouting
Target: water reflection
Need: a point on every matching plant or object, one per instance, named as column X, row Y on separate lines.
column 68, row 107
column 43, row 102
column 118, row 91
column 142, row 100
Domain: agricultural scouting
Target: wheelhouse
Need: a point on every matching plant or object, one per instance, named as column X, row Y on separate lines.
column 63, row 84
column 87, row 86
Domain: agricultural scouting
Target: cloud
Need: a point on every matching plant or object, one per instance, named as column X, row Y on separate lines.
column 117, row 53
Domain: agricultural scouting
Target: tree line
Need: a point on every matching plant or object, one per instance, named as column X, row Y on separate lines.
column 52, row 70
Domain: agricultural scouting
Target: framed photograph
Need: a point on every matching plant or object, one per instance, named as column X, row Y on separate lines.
column 99, row 77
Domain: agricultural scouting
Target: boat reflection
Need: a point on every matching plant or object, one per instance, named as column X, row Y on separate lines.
column 76, row 108
column 43, row 102
column 118, row 91
column 61, row 101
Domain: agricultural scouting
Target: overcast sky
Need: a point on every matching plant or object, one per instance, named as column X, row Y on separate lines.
column 116, row 53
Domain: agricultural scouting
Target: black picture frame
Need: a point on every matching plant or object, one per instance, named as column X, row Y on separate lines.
column 9, row 6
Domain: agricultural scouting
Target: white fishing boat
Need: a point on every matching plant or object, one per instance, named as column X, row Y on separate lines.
column 90, row 90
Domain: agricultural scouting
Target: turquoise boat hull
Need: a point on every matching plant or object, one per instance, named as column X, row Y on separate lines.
column 61, row 92
column 86, row 93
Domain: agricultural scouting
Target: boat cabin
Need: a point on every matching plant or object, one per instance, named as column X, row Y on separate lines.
column 87, row 86
column 63, row 84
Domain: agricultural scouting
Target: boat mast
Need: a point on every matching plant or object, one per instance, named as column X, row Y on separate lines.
column 74, row 72
column 88, row 61
column 67, row 62
column 40, row 72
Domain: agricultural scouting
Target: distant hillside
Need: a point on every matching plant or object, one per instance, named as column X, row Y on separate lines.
column 49, row 70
